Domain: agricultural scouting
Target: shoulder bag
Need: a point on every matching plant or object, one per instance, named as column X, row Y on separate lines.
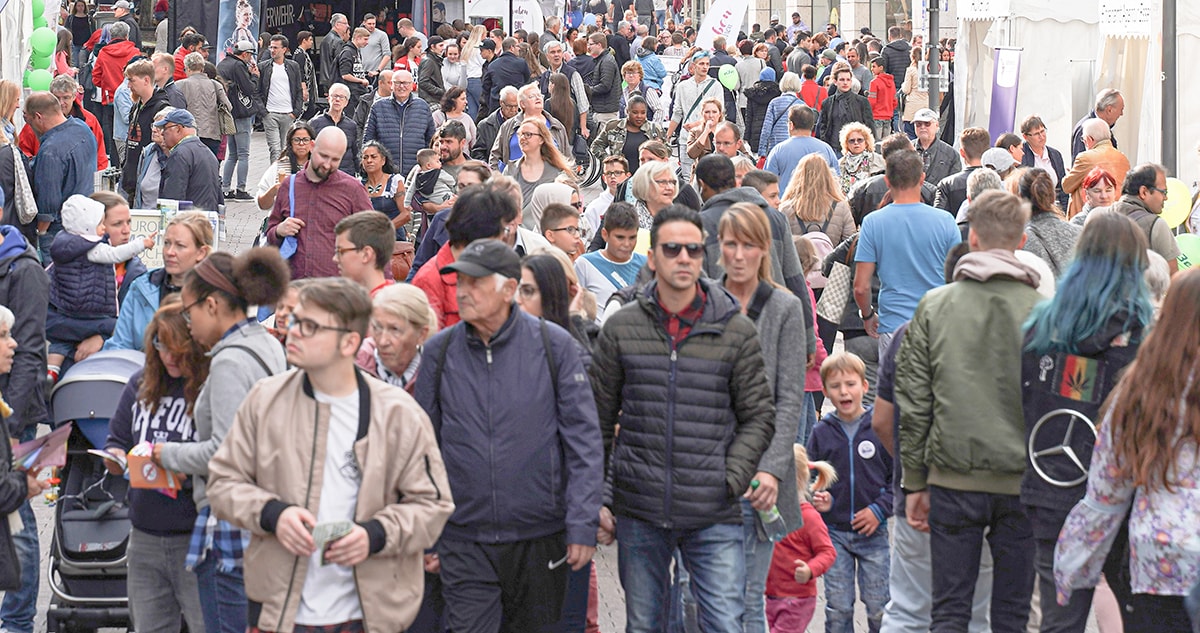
column 26, row 205
column 224, row 114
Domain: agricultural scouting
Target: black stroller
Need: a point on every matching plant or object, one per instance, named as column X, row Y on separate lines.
column 87, row 566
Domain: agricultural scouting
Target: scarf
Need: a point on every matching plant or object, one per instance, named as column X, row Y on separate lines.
column 855, row 168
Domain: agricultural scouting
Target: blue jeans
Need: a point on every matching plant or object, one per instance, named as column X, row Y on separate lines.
column 713, row 557
column 865, row 558
column 237, row 153
column 681, row 614
column 808, row 421
column 758, row 562
column 222, row 597
column 474, row 94
column 20, row 606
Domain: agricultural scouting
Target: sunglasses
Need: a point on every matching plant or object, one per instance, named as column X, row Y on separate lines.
column 672, row 249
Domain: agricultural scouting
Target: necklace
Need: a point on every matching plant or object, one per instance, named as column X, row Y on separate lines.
column 373, row 190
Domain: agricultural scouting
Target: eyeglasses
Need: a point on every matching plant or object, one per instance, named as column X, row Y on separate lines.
column 614, row 174
column 855, row 141
column 527, row 134
column 667, row 183
column 187, row 310
column 380, row 330
column 1162, row 191
column 528, row 291
column 922, row 123
column 338, row 252
column 301, row 140
column 573, row 231
column 673, row 249
column 338, row 98
column 309, row 328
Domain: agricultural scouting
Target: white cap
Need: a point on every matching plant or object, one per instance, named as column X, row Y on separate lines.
column 998, row 159
column 925, row 115
column 81, row 216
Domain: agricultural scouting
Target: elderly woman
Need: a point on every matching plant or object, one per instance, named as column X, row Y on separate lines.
column 624, row 137
column 401, row 322
column 775, row 122
column 633, row 85
column 859, row 159
column 533, row 107
column 654, row 188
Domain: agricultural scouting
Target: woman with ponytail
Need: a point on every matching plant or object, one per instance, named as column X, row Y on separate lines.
column 217, row 295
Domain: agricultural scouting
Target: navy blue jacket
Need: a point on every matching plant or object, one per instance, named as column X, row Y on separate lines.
column 65, row 165
column 523, row 456
column 504, row 70
column 864, row 469
column 404, row 128
column 1060, row 169
column 79, row 287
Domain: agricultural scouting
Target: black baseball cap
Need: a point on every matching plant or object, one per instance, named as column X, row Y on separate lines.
column 486, row 257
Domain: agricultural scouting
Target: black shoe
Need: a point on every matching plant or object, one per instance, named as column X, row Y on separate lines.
column 242, row 194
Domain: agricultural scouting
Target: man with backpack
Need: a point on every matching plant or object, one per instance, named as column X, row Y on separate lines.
column 1142, row 197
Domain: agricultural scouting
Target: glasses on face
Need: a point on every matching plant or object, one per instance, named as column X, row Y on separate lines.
column 338, row 252
column 573, row 231
column 1162, row 191
column 528, row 291
column 855, row 141
column 159, row 345
column 301, row 140
column 666, row 183
column 922, row 123
column 673, row 249
column 187, row 310
column 309, row 328
column 614, row 174
column 379, row 330
column 526, row 135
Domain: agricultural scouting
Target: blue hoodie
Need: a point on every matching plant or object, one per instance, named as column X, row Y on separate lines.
column 864, row 470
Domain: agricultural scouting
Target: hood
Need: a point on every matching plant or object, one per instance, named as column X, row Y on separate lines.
column 1103, row 338
column 737, row 194
column 900, row 45
column 119, row 48
column 763, row 91
column 889, row 82
column 14, row 243
column 719, row 304
column 984, row 265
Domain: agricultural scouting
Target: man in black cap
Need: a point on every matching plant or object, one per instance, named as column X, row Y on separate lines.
column 510, row 381
column 122, row 11
column 429, row 73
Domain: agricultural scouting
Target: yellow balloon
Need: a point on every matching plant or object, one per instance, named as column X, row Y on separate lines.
column 1179, row 202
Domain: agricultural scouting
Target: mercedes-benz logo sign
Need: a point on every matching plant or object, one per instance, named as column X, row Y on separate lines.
column 1063, row 447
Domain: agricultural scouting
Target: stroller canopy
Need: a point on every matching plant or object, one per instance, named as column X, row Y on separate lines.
column 89, row 392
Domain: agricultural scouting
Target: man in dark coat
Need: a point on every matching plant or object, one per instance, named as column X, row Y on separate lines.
column 190, row 172
column 506, row 69
column 842, row 107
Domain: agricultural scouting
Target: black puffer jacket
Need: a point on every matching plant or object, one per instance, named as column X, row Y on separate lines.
column 695, row 420
column 758, row 97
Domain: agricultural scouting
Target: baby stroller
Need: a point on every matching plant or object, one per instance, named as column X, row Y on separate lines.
column 87, row 567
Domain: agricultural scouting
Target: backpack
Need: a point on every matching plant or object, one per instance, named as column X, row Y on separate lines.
column 1145, row 221
column 817, row 234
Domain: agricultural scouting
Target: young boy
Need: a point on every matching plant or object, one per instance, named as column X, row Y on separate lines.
column 882, row 95
column 560, row 227
column 862, row 497
column 615, row 171
column 428, row 182
column 363, row 249
column 607, row 271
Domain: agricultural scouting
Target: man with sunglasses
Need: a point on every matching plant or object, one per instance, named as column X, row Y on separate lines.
column 681, row 371
column 338, row 538
column 510, row 401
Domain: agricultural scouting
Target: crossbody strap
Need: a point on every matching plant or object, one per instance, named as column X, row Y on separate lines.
column 292, row 196
column 699, row 98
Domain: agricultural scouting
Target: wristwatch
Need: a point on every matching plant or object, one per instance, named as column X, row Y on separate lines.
column 867, row 317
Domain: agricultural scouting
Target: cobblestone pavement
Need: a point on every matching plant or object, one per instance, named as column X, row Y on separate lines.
column 242, row 221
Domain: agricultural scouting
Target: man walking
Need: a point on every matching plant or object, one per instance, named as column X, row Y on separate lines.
column 430, row 85
column 404, row 123
column 66, row 90
column 786, row 156
column 377, row 54
column 280, row 90
column 241, row 76
column 338, row 540
column 351, row 70
column 952, row 190
column 63, row 167
column 604, row 85
column 940, row 160
column 1110, row 106
column 681, row 462
column 190, row 172
column 331, row 47
column 505, row 552
column 506, row 69
column 308, row 72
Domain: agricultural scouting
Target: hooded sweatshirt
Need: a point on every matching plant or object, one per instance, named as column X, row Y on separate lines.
column 24, row 288
column 883, row 96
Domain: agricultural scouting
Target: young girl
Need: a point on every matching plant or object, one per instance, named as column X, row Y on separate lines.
column 804, row 555
column 812, row 378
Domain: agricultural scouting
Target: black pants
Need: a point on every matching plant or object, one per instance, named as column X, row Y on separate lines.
column 1071, row 617
column 957, row 520
column 1157, row 614
column 504, row 587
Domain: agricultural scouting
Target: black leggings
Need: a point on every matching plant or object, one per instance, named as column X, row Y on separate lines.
column 1156, row 614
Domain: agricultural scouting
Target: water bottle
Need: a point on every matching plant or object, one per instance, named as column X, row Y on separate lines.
column 771, row 521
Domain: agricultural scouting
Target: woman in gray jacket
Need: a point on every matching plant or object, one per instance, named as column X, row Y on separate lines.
column 217, row 295
column 204, row 96
column 745, row 238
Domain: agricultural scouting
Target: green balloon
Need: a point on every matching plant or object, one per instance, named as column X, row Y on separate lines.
column 39, row 22
column 38, row 7
column 39, row 79
column 1189, row 250
column 25, row 79
column 729, row 77
column 43, row 41
column 39, row 61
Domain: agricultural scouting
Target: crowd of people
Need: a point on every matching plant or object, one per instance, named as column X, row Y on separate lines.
column 1017, row 357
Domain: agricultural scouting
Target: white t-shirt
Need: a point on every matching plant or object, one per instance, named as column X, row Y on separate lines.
column 279, row 97
column 329, row 595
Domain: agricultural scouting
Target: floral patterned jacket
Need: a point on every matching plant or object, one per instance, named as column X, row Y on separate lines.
column 1164, row 543
column 611, row 139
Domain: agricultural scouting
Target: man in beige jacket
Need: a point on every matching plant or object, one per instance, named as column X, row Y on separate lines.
column 339, row 478
column 1100, row 153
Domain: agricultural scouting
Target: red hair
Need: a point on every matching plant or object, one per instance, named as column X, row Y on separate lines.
column 1096, row 176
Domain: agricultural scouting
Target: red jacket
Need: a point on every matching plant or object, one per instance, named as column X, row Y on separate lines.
column 29, row 143
column 813, row 94
column 180, row 73
column 882, row 96
column 811, row 544
column 440, row 289
column 109, row 70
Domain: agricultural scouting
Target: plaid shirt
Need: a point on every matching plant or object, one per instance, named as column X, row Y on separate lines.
column 679, row 325
column 226, row 542
column 320, row 205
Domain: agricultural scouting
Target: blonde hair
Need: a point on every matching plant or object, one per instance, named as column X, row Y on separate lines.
column 197, row 224
column 807, row 252
column 851, row 128
column 843, row 362
column 588, row 301
column 549, row 152
column 826, row 473
column 409, row 303
column 811, row 189
column 748, row 222
column 477, row 34
column 720, row 103
column 643, row 178
column 10, row 96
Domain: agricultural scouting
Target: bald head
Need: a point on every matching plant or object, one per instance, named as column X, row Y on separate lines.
column 327, row 153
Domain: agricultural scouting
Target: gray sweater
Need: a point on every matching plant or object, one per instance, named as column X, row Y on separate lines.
column 1052, row 239
column 230, row 376
column 781, row 332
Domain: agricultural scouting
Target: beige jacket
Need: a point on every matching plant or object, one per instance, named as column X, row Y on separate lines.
column 265, row 465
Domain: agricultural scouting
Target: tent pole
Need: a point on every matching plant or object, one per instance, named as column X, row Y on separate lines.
column 933, row 58
column 1170, row 81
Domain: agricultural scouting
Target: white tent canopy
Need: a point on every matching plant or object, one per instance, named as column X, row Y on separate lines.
column 1068, row 55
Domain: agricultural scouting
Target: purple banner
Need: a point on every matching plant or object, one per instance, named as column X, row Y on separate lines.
column 1006, row 74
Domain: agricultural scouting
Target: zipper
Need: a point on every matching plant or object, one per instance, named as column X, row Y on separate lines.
column 853, row 490
column 312, row 458
column 492, row 451
column 669, row 478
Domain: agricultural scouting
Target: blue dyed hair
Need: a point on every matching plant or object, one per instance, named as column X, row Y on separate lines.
column 1105, row 279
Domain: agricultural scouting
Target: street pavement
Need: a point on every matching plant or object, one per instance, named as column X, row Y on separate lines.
column 242, row 221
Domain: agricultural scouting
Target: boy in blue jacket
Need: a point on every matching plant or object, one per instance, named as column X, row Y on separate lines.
column 862, row 496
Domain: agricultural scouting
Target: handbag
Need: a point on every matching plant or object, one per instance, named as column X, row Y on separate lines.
column 836, row 295
column 25, row 203
column 224, row 115
column 288, row 247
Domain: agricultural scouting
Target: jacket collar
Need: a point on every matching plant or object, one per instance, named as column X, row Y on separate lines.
column 364, row 401
column 501, row 335
column 719, row 305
